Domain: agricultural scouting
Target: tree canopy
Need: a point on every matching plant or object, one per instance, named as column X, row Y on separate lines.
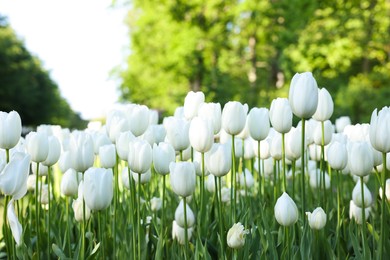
column 249, row 50
column 26, row 87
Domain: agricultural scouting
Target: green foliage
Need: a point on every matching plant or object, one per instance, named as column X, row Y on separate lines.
column 249, row 50
column 27, row 88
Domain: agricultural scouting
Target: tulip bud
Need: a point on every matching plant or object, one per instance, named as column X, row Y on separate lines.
column 163, row 155
column 177, row 132
column 360, row 159
column 218, row 159
column 286, row 212
column 379, row 130
column 99, row 139
column 293, row 144
column 44, row 196
column 77, row 206
column 183, row 178
column 159, row 133
column 116, row 124
column 192, row 102
column 280, row 115
column 81, row 151
column 179, row 215
column 37, row 146
column 357, row 195
column 31, row 182
column 328, row 131
column 276, row 147
column 303, row 95
column 153, row 117
column 387, row 191
column 337, row 155
column 138, row 119
column 236, row 236
column 201, row 134
column 210, row 183
column 234, row 117
column 356, row 213
column 225, row 194
column 246, row 179
column 10, row 129
column 13, row 178
column 140, row 156
column 155, row 204
column 98, row 188
column 178, row 233
column 65, row 161
column 316, row 179
column 107, row 155
column 145, row 177
column 69, row 183
column 54, row 151
column 341, row 123
column 317, row 219
column 212, row 113
column 122, row 144
column 325, row 106
column 258, row 123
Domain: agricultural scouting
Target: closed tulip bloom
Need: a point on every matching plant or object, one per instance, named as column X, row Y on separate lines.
column 234, row 117
column 107, row 155
column 236, row 236
column 341, row 123
column 201, row 134
column 145, row 177
column 357, row 195
column 44, row 196
column 81, row 151
column 10, row 129
column 153, row 117
column 43, row 170
column 303, row 95
column 316, row 178
column 122, row 144
column 163, row 155
column 138, row 119
column 218, row 159
column 249, row 151
column 177, row 132
column 183, row 178
column 387, row 191
column 155, row 204
column 69, row 183
column 315, row 152
column 328, row 133
column 65, row 161
column 37, row 146
column 280, row 115
column 13, row 178
column 213, row 113
column 356, row 212
column 159, row 133
column 54, row 151
column 317, row 218
column 360, row 159
column 293, row 144
column 276, row 147
column 178, row 233
column 258, row 123
column 337, row 155
column 379, row 130
column 77, row 205
column 246, row 179
column 192, row 102
column 325, row 106
column 140, row 156
column 99, row 139
column 98, row 188
column 179, row 215
column 116, row 124
column 286, row 212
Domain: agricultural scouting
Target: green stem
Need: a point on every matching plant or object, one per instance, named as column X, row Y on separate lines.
column 338, row 213
column 293, row 177
column 101, row 236
column 68, row 226
column 202, row 197
column 116, row 194
column 163, row 208
column 322, row 164
column 185, row 228
column 303, row 171
column 284, row 164
column 181, row 155
column 233, row 183
column 132, row 208
column 287, row 242
column 259, row 168
column 5, row 226
column 139, row 215
column 363, row 218
column 383, row 217
column 217, row 182
column 37, row 210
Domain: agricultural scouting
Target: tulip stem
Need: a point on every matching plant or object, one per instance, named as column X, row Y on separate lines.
column 293, row 178
column 322, row 164
column 338, row 213
column 303, row 171
column 284, row 164
column 363, row 218
column 37, row 209
column 259, row 168
column 83, row 229
column 287, row 242
column 163, row 210
column 383, row 217
column 116, row 188
column 202, row 196
column 233, row 183
column 68, row 226
column 48, row 210
column 185, row 228
column 132, row 193
column 139, row 215
column 5, row 226
column 217, row 182
column 101, row 236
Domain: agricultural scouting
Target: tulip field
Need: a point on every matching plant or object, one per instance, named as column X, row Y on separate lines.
column 209, row 182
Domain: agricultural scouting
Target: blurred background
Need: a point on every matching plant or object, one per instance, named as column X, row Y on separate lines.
column 244, row 50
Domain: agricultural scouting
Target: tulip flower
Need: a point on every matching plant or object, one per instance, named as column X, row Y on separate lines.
column 107, row 155
column 213, row 113
column 276, row 147
column 159, row 133
column 201, row 134
column 316, row 179
column 145, row 177
column 337, row 155
column 140, row 156
column 10, row 129
column 192, row 102
column 155, row 204
column 69, row 183
column 360, row 158
column 99, row 139
column 218, row 159
column 13, row 178
column 183, row 179
column 341, row 123
column 236, row 236
column 325, row 106
column 54, row 151
column 258, row 123
column 328, row 132
column 178, row 233
column 293, row 144
column 153, row 117
column 317, row 218
column 138, row 119
column 65, row 161
column 387, row 190
column 122, row 144
column 246, row 179
column 357, row 195
column 98, row 188
column 177, row 132
column 303, row 95
column 286, row 212
column 45, row 196
column 116, row 123
column 163, row 155
column 356, row 213
column 234, row 117
column 77, row 205
column 379, row 130
column 280, row 115
column 37, row 146
column 179, row 215
column 81, row 151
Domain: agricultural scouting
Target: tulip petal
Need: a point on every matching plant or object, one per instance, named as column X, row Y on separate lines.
column 16, row 227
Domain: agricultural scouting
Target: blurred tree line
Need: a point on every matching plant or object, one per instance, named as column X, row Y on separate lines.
column 249, row 50
column 27, row 88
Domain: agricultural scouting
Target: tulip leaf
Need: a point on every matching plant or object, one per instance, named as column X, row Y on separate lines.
column 57, row 250
column 94, row 252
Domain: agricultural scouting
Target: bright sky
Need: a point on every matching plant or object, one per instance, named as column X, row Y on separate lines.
column 79, row 42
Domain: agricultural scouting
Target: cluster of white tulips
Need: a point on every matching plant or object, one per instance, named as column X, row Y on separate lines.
column 242, row 183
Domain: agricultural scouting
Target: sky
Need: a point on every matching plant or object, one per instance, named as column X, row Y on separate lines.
column 79, row 42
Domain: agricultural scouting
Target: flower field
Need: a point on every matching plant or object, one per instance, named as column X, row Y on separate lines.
column 209, row 182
